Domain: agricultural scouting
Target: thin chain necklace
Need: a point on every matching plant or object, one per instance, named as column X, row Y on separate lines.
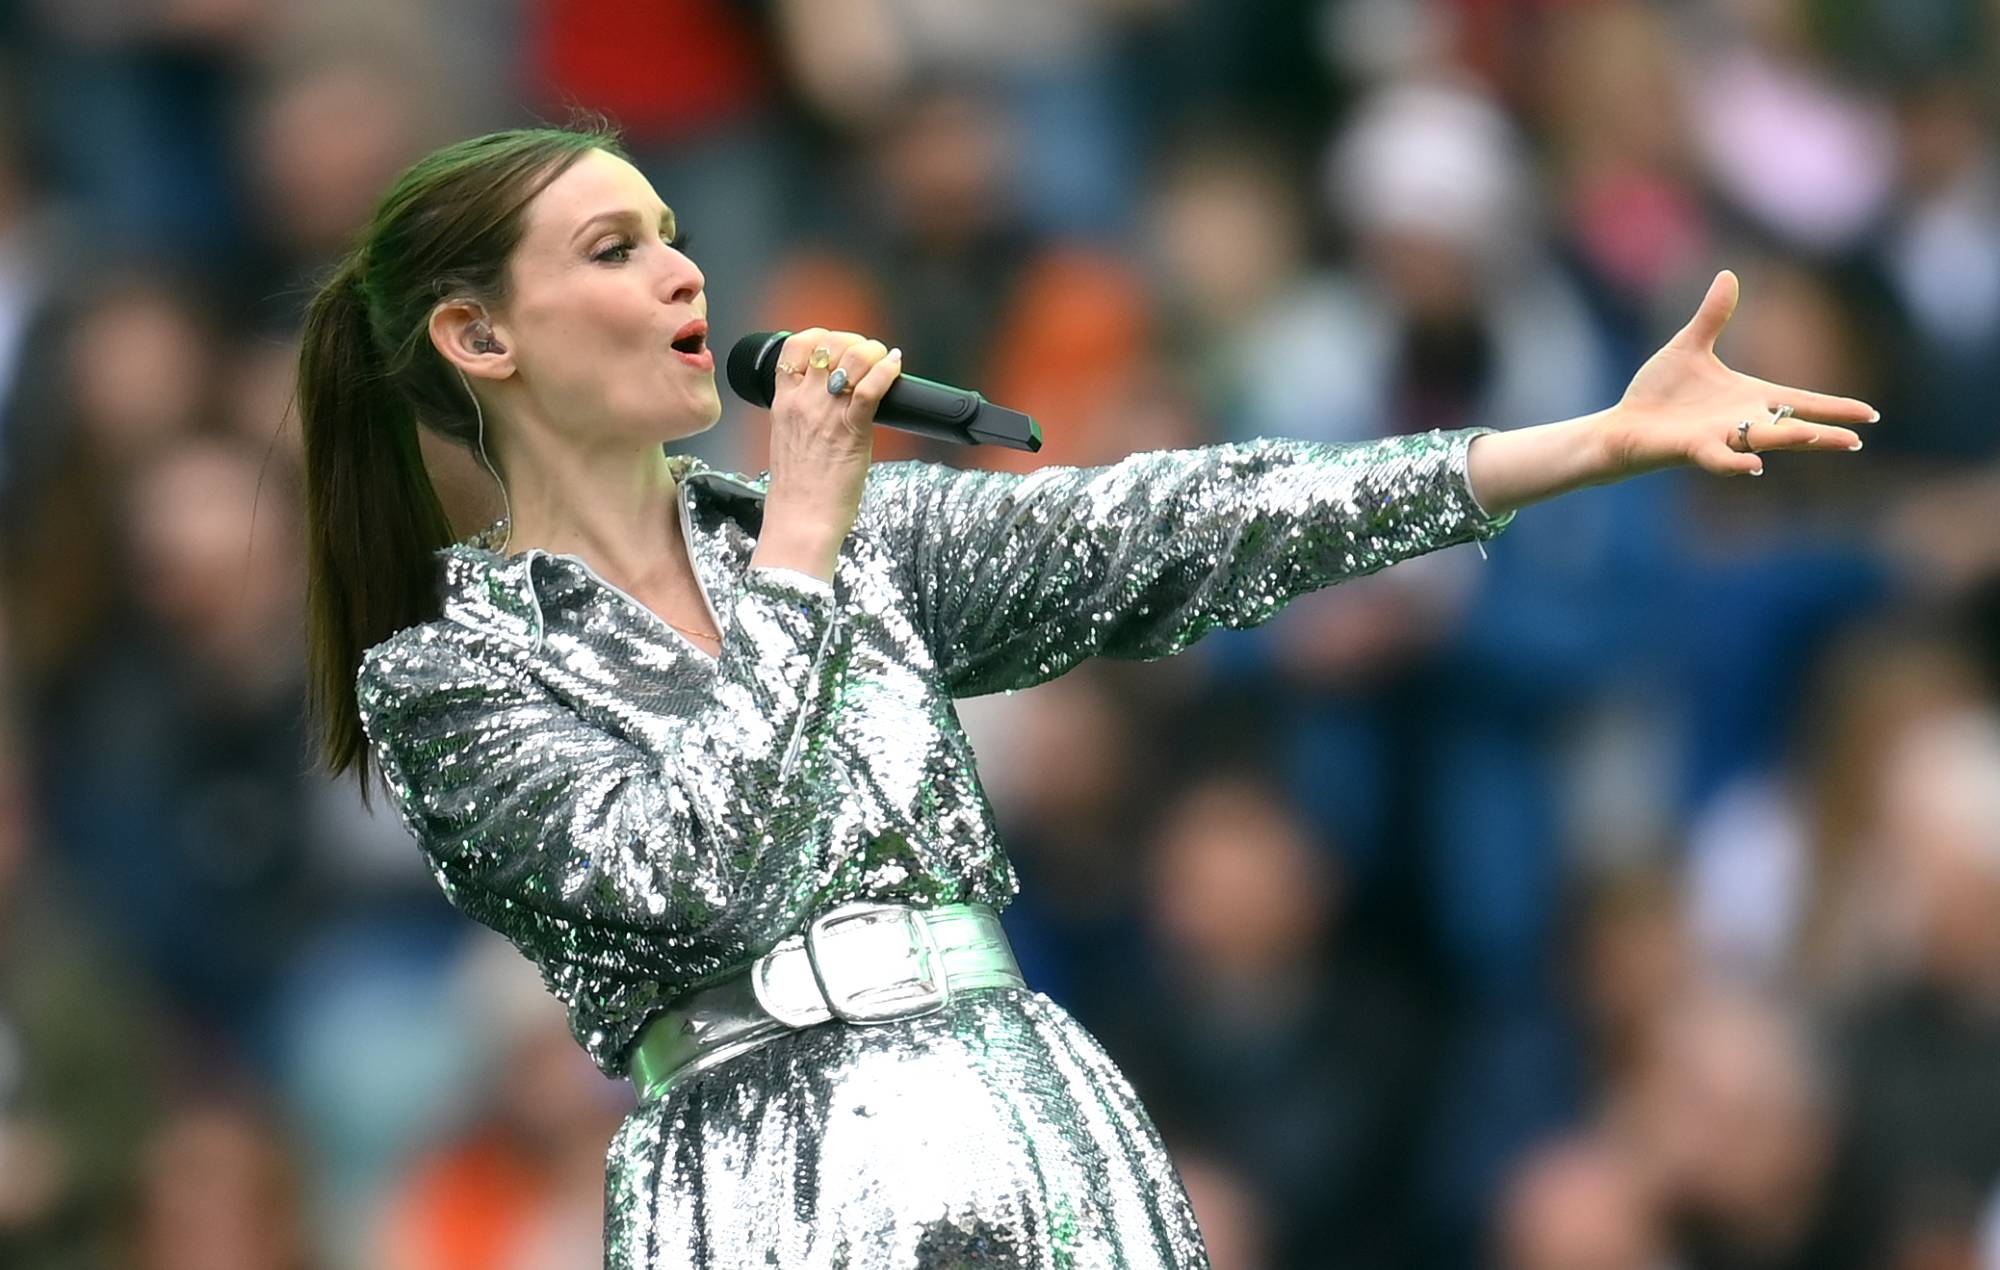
column 689, row 630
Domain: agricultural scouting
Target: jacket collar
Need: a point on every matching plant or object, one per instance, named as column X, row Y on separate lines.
column 507, row 595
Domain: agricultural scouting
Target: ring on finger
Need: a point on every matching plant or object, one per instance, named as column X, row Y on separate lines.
column 822, row 357
column 791, row 369
column 1742, row 443
column 836, row 383
column 1783, row 412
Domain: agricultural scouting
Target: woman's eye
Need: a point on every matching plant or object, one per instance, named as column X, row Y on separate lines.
column 679, row 242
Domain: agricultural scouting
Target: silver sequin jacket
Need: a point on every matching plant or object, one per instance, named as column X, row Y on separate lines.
column 640, row 818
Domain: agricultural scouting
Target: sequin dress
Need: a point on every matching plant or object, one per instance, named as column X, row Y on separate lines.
column 640, row 818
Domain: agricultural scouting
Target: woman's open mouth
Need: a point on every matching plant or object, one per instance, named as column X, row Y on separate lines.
column 691, row 345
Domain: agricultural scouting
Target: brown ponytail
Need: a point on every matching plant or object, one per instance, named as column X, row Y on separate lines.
column 369, row 375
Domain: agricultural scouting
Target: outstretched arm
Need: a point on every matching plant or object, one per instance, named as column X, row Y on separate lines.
column 1683, row 406
column 1015, row 578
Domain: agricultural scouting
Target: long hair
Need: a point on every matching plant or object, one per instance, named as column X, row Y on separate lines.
column 369, row 374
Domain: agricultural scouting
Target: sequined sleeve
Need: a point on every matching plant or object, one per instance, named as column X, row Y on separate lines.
column 1016, row 577
column 685, row 824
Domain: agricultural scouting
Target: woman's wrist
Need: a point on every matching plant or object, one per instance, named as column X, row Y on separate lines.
column 807, row 543
column 1509, row 470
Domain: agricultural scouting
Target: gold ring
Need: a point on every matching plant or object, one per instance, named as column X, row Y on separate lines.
column 822, row 357
column 790, row 369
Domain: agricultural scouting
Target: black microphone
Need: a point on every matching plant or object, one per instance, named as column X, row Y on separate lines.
column 922, row 406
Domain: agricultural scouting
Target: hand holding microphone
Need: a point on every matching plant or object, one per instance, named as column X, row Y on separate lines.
column 826, row 391
column 822, row 440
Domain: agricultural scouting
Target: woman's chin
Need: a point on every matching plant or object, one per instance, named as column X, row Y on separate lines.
column 699, row 416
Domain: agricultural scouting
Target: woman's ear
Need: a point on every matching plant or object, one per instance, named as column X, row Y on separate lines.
column 463, row 335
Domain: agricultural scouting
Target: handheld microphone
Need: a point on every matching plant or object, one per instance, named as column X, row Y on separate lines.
column 922, row 406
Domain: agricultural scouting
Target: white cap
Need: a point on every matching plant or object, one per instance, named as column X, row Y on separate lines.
column 1436, row 159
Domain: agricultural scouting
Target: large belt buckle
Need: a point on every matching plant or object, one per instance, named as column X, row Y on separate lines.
column 847, row 948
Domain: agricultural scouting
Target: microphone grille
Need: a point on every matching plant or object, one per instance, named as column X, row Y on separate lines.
column 752, row 366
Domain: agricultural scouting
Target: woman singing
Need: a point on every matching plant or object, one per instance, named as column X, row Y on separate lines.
column 686, row 738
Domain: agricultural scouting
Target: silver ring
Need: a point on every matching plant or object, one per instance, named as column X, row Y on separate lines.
column 836, row 383
column 1780, row 412
column 1743, row 436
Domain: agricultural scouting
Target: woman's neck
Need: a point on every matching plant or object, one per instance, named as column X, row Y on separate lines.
column 615, row 510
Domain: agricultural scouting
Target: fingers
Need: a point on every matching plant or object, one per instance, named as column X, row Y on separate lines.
column 857, row 367
column 1803, row 436
column 1819, row 405
column 1708, row 320
column 856, row 361
column 1724, row 459
column 800, row 347
column 874, row 385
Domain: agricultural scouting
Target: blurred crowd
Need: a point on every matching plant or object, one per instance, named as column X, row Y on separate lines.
column 1625, row 898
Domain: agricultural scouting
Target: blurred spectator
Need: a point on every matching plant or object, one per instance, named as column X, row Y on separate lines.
column 1072, row 131
column 331, row 125
column 1772, row 120
column 1922, row 1049
column 1636, row 962
column 982, row 297
column 1068, row 777
column 1788, row 878
column 1233, row 1225
column 1299, row 1069
column 518, row 1183
column 218, row 1189
column 1736, row 1119
column 137, row 112
column 1580, row 1205
column 1930, row 276
column 136, row 365
column 1259, row 325
column 77, row 1086
column 173, row 749
column 1609, row 90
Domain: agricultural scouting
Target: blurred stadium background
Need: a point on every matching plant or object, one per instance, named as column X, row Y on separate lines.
column 1629, row 899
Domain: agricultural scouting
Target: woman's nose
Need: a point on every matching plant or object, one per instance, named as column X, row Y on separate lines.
column 683, row 277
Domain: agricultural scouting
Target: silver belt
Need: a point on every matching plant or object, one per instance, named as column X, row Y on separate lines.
column 865, row 962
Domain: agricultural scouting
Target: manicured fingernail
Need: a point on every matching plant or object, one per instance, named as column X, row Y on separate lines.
column 1756, row 471
column 1873, row 416
column 1855, row 446
column 894, row 353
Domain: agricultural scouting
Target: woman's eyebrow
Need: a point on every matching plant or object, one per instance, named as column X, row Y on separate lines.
column 619, row 213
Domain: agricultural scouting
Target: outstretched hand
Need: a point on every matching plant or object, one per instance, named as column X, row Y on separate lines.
column 1684, row 406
